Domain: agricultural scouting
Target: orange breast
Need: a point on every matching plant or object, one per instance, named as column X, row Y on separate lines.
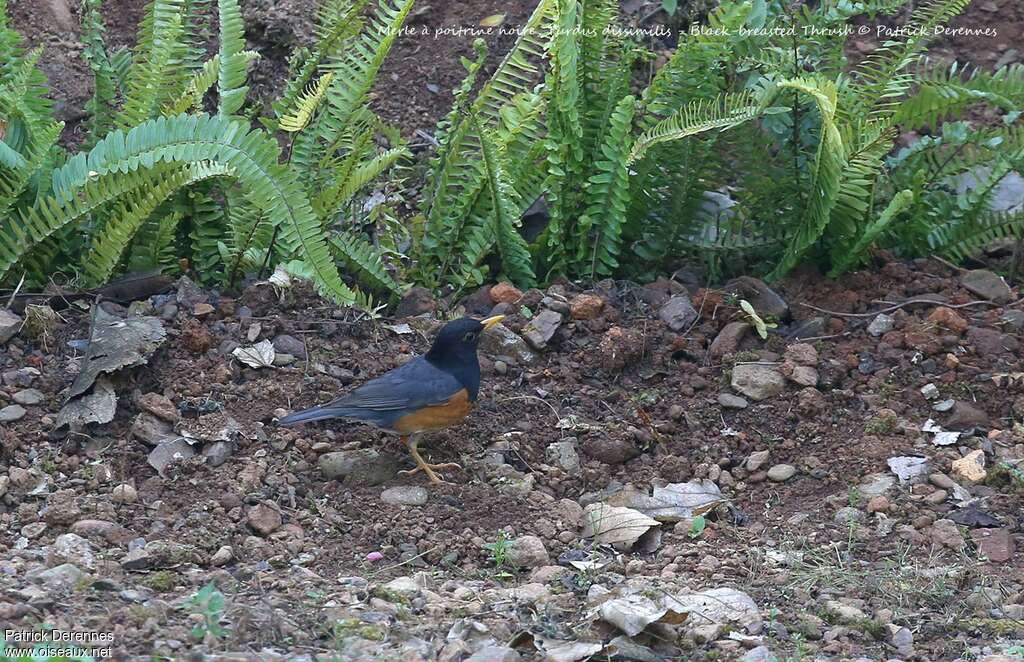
column 436, row 417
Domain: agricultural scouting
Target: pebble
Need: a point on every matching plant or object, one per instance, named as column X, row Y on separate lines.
column 781, row 472
column 124, row 493
column 12, row 413
column 528, row 552
column 29, row 397
column 757, row 460
column 878, row 504
column 730, row 401
column 757, row 381
column 222, row 556
column 881, row 325
column 937, row 497
column 849, row 514
column 263, row 519
column 405, row 495
column 971, row 467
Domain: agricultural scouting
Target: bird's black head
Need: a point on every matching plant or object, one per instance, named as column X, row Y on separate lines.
column 454, row 349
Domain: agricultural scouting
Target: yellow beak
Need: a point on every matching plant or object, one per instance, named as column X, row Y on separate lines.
column 491, row 321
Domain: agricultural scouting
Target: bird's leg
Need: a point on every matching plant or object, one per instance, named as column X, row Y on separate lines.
column 422, row 465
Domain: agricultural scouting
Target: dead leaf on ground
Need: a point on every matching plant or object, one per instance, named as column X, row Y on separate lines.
column 609, row 525
column 96, row 407
column 674, row 502
column 116, row 343
column 260, row 355
column 493, row 21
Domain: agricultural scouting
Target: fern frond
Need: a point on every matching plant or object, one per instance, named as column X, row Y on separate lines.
column 251, row 154
column 100, row 107
column 131, row 212
column 231, row 87
column 335, row 197
column 826, row 173
column 305, row 105
column 160, row 46
column 607, row 194
column 722, row 112
column 982, row 234
column 365, row 260
column 848, row 257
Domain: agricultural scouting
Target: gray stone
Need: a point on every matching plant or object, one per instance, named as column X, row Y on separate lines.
column 64, row 577
column 759, row 654
column 364, row 466
column 541, row 329
column 757, row 460
column 150, row 429
column 721, row 606
column 528, row 552
column 102, row 531
column 404, row 495
column 946, row 533
column 29, row 397
column 678, row 313
column 757, row 381
column 881, row 325
column 222, row 556
column 495, row 654
column 730, row 401
column 804, row 375
column 263, row 519
column 987, row 285
column 71, row 548
column 563, row 454
column 499, row 340
column 610, row 450
column 876, row 485
column 1013, row 318
column 781, row 473
column 287, row 344
column 10, row 324
column 728, row 339
column 909, row 469
column 218, row 452
column 766, row 302
column 12, row 413
column 848, row 514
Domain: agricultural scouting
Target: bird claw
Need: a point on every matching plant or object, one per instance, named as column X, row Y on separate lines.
column 429, row 470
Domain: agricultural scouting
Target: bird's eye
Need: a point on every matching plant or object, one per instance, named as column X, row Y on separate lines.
column 469, row 337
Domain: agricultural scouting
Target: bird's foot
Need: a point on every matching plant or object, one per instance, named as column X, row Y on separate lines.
column 430, row 469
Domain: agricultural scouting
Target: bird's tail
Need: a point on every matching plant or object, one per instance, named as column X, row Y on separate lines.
column 309, row 415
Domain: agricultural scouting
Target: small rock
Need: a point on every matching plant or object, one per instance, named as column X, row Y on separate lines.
column 218, row 452
column 10, row 324
column 151, row 430
column 586, row 307
column 678, row 313
column 757, row 381
column 505, row 293
column 876, row 485
column 759, row 654
column 124, row 493
column 849, row 514
column 881, row 325
column 990, row 342
column 405, row 495
column 728, row 339
column 781, row 473
column 766, row 302
column 949, row 319
column 564, row 455
column 495, row 654
column 804, row 375
column 971, row 467
column 102, row 531
column 847, row 612
column 902, row 639
column 500, row 340
column 944, row 532
column 71, row 548
column 222, row 556
column 802, row 354
column 202, row 309
column 937, row 497
column 64, row 577
column 878, row 504
column 996, row 545
column 964, row 416
column 528, row 552
column 541, row 329
column 287, row 344
column 730, row 401
column 756, row 460
column 160, row 406
column 417, row 301
column 12, row 413
column 941, row 480
column 170, row 452
column 263, row 519
column 985, row 284
column 620, row 348
column 930, row 391
column 610, row 450
column 358, row 467
column 29, row 397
